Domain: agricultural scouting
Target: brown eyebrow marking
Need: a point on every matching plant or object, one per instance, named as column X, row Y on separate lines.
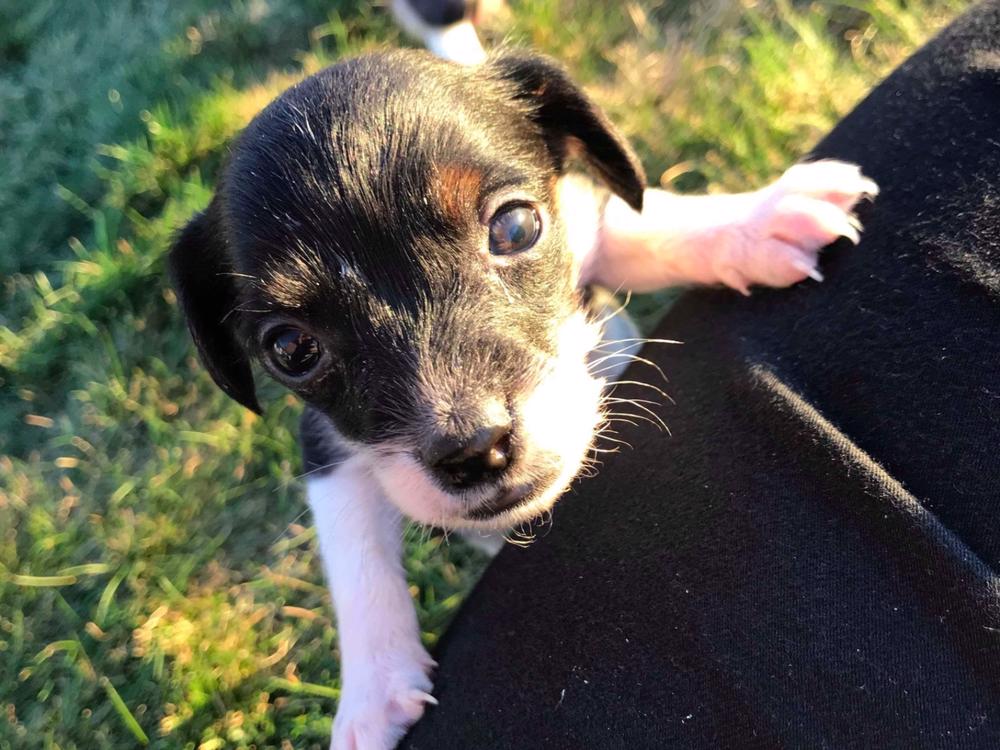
column 456, row 188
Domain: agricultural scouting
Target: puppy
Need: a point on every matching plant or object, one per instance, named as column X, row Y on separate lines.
column 399, row 241
column 446, row 27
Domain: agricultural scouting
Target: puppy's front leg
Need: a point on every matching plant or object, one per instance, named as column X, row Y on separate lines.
column 384, row 666
column 771, row 236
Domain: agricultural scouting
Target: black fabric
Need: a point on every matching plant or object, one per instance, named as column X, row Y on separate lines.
column 809, row 561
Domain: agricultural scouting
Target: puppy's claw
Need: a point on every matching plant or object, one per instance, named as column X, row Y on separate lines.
column 834, row 181
column 419, row 696
column 410, row 703
column 808, row 269
column 734, row 280
column 850, row 231
column 868, row 188
column 808, row 208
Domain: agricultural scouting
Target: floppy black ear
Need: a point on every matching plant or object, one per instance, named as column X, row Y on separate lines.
column 203, row 280
column 569, row 119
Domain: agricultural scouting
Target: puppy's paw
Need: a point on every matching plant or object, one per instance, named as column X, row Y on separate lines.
column 791, row 220
column 377, row 707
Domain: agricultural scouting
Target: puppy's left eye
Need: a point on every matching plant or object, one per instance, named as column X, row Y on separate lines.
column 293, row 351
column 514, row 229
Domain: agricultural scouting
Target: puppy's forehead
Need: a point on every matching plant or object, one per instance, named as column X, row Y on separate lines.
column 377, row 162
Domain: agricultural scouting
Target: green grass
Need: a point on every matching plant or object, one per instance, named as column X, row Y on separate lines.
column 158, row 579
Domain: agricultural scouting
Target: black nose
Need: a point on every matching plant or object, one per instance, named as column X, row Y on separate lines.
column 462, row 461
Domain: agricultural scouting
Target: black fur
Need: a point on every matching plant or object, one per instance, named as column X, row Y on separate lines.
column 571, row 122
column 332, row 217
column 202, row 274
column 320, row 453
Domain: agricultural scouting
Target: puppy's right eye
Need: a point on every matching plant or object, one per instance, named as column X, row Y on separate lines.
column 292, row 351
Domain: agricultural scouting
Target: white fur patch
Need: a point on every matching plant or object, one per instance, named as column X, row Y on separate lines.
column 458, row 43
column 384, row 666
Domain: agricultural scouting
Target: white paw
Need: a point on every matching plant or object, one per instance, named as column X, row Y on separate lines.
column 378, row 705
column 790, row 221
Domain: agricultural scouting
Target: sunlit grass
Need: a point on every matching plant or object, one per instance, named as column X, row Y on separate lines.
column 158, row 576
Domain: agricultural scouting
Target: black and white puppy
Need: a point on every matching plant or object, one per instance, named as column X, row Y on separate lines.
column 396, row 239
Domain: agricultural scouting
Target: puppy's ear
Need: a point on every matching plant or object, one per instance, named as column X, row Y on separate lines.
column 570, row 120
column 207, row 290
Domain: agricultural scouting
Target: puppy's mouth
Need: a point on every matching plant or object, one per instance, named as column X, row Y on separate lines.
column 505, row 501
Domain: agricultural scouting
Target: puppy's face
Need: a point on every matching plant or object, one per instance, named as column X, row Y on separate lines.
column 386, row 243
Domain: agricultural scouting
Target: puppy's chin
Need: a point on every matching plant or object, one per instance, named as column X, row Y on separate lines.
column 557, row 424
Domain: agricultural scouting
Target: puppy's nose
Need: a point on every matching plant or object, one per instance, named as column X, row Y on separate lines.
column 462, row 461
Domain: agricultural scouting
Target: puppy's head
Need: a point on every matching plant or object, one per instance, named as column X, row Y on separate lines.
column 386, row 243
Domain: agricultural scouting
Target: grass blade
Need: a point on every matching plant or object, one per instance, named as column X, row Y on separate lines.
column 122, row 710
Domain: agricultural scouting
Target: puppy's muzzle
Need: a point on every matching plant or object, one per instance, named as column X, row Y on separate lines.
column 471, row 452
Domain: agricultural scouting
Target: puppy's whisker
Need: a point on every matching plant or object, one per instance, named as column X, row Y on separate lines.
column 605, row 436
column 517, row 538
column 640, row 417
column 317, row 470
column 548, row 518
column 623, row 351
column 620, row 420
column 647, row 415
column 642, row 404
column 591, row 467
column 643, row 360
column 641, row 385
column 621, row 415
column 425, row 534
column 608, row 368
column 615, row 365
column 626, row 352
column 637, row 339
column 654, row 415
column 237, row 309
column 605, row 428
column 614, row 400
column 410, row 529
column 288, row 526
column 615, row 313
